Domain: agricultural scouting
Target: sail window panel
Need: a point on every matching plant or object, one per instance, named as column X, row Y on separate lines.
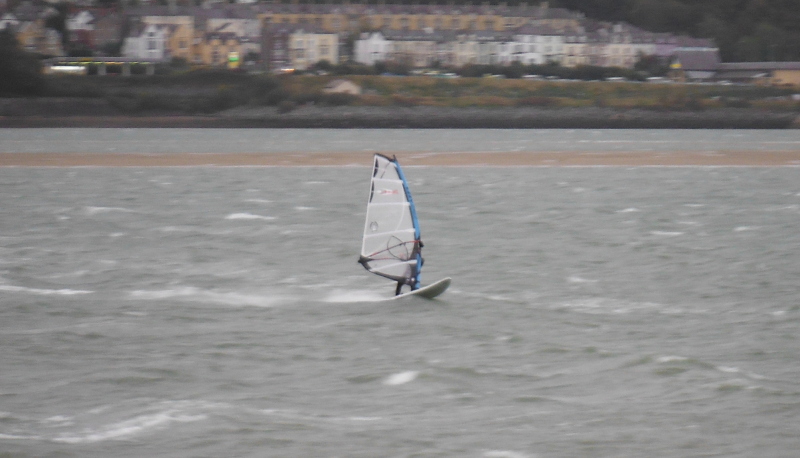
column 387, row 191
column 392, row 269
column 387, row 218
column 395, row 245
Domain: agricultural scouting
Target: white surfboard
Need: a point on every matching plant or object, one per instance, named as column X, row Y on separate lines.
column 430, row 291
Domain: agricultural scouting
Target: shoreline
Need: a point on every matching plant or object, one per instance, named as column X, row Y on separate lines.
column 448, row 159
column 56, row 113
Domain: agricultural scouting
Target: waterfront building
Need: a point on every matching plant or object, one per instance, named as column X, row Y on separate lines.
column 371, row 48
column 291, row 47
column 311, row 45
column 464, row 49
column 419, row 49
column 538, row 45
column 575, row 48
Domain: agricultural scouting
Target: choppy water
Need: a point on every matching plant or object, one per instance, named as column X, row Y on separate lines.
column 221, row 312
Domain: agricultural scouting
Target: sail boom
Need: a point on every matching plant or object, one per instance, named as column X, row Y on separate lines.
column 383, row 234
column 389, row 204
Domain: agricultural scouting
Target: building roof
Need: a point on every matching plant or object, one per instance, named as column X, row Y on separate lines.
column 759, row 66
column 529, row 29
column 690, row 42
column 698, row 60
column 337, row 82
column 415, row 35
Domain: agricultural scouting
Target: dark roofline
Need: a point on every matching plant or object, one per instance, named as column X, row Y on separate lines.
column 762, row 66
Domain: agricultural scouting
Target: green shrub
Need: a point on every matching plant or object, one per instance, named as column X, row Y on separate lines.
column 336, row 100
column 537, row 102
column 286, row 106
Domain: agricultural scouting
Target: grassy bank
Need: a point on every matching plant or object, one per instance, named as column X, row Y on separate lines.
column 212, row 92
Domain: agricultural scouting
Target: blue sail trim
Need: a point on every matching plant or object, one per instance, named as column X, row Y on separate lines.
column 413, row 208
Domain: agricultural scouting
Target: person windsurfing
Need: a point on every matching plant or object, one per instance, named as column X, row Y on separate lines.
column 412, row 281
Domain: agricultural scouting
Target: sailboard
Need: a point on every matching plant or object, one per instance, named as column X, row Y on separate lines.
column 391, row 246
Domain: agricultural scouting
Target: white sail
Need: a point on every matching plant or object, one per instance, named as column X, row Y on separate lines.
column 391, row 245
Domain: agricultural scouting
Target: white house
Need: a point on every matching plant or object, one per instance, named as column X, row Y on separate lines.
column 465, row 49
column 530, row 44
column 147, row 42
column 371, row 47
column 493, row 48
column 307, row 46
column 82, row 20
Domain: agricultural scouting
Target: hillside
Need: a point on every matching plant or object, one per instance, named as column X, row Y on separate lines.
column 744, row 30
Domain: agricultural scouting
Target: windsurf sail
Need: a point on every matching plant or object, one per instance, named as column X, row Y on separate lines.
column 391, row 247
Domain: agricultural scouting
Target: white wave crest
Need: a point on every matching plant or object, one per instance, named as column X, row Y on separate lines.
column 43, row 292
column 249, row 216
column 667, row 233
column 202, row 295
column 18, row 437
column 128, row 428
column 95, row 210
column 577, row 279
column 503, row 454
column 605, row 306
column 341, row 296
column 401, row 378
column 671, row 358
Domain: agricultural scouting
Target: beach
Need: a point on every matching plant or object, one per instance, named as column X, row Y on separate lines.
column 465, row 159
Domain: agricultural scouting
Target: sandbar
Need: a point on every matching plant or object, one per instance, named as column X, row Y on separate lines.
column 463, row 159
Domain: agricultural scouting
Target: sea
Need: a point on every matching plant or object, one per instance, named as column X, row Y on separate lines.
column 221, row 311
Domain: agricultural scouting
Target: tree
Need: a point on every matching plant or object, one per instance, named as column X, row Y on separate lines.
column 651, row 65
column 58, row 22
column 20, row 72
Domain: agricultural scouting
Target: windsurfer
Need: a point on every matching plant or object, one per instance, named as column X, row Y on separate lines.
column 413, row 282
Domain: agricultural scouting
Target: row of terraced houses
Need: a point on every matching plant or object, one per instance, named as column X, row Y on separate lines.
column 274, row 36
